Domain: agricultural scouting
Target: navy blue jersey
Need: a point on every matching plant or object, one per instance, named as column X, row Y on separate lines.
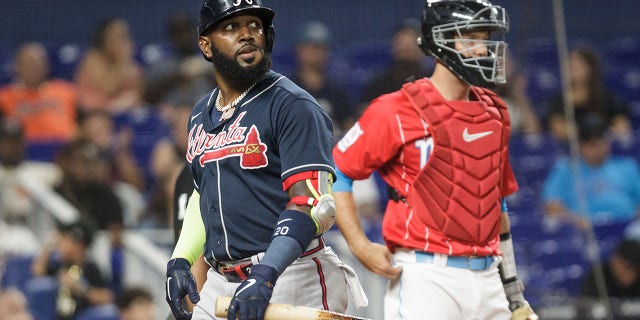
column 239, row 164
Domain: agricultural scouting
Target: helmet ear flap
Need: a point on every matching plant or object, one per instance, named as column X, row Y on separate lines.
column 270, row 36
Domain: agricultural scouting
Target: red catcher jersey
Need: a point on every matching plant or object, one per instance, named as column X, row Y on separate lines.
column 392, row 138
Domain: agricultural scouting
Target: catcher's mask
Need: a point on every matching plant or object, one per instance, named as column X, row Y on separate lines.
column 445, row 22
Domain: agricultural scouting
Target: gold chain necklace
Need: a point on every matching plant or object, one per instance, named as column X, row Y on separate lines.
column 230, row 108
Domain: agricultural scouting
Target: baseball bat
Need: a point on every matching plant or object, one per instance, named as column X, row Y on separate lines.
column 278, row 311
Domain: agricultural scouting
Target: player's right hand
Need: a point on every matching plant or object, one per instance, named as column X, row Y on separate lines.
column 377, row 259
column 252, row 296
column 180, row 282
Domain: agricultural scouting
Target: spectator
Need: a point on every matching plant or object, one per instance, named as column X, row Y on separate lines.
column 13, row 305
column 167, row 160
column 313, row 50
column 166, row 163
column 98, row 127
column 611, row 184
column 589, row 95
column 514, row 93
column 621, row 273
column 80, row 283
column 407, row 64
column 45, row 107
column 15, row 204
column 136, row 304
column 85, row 184
column 108, row 77
column 183, row 73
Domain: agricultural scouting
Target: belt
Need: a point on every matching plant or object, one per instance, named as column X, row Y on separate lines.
column 464, row 262
column 239, row 270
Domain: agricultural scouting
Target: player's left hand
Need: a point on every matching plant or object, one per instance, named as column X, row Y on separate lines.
column 524, row 312
column 179, row 283
column 253, row 294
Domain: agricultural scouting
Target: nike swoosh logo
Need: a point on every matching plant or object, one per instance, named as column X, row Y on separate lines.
column 195, row 115
column 474, row 136
column 250, row 282
column 168, row 284
column 285, row 220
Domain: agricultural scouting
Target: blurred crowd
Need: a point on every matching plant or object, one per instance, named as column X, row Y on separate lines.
column 110, row 140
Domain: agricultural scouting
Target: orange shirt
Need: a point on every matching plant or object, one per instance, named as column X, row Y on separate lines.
column 47, row 113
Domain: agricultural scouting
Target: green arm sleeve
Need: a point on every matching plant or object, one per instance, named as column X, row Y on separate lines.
column 190, row 244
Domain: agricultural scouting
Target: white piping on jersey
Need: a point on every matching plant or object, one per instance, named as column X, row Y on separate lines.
column 404, row 141
column 261, row 92
column 426, row 239
column 208, row 102
column 404, row 175
column 425, row 125
column 308, row 165
column 406, row 224
column 224, row 228
column 210, row 97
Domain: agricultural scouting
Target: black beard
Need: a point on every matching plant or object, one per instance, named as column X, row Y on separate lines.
column 238, row 77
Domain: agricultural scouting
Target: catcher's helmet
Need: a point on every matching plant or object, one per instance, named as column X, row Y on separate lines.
column 442, row 20
column 214, row 11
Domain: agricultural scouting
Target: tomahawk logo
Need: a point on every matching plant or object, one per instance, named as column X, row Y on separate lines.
column 226, row 144
column 251, row 152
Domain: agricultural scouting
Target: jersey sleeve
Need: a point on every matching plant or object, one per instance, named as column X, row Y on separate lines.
column 305, row 138
column 372, row 141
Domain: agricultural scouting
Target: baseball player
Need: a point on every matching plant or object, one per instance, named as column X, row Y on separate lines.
column 260, row 154
column 441, row 145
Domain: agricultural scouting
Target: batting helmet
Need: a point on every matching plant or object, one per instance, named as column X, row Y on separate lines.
column 444, row 20
column 214, row 11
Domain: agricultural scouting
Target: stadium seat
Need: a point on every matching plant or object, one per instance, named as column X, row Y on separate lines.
column 43, row 151
column 148, row 128
column 543, row 82
column 41, row 294
column 541, row 52
column 628, row 147
column 17, row 271
column 532, row 156
column 370, row 54
column 624, row 81
column 6, row 61
column 103, row 312
column 64, row 58
column 151, row 53
column 623, row 51
column 284, row 58
column 365, row 59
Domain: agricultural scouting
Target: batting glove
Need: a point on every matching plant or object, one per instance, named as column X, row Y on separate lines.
column 253, row 294
column 179, row 283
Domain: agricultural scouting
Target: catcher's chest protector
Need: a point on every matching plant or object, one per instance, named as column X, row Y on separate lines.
column 458, row 192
